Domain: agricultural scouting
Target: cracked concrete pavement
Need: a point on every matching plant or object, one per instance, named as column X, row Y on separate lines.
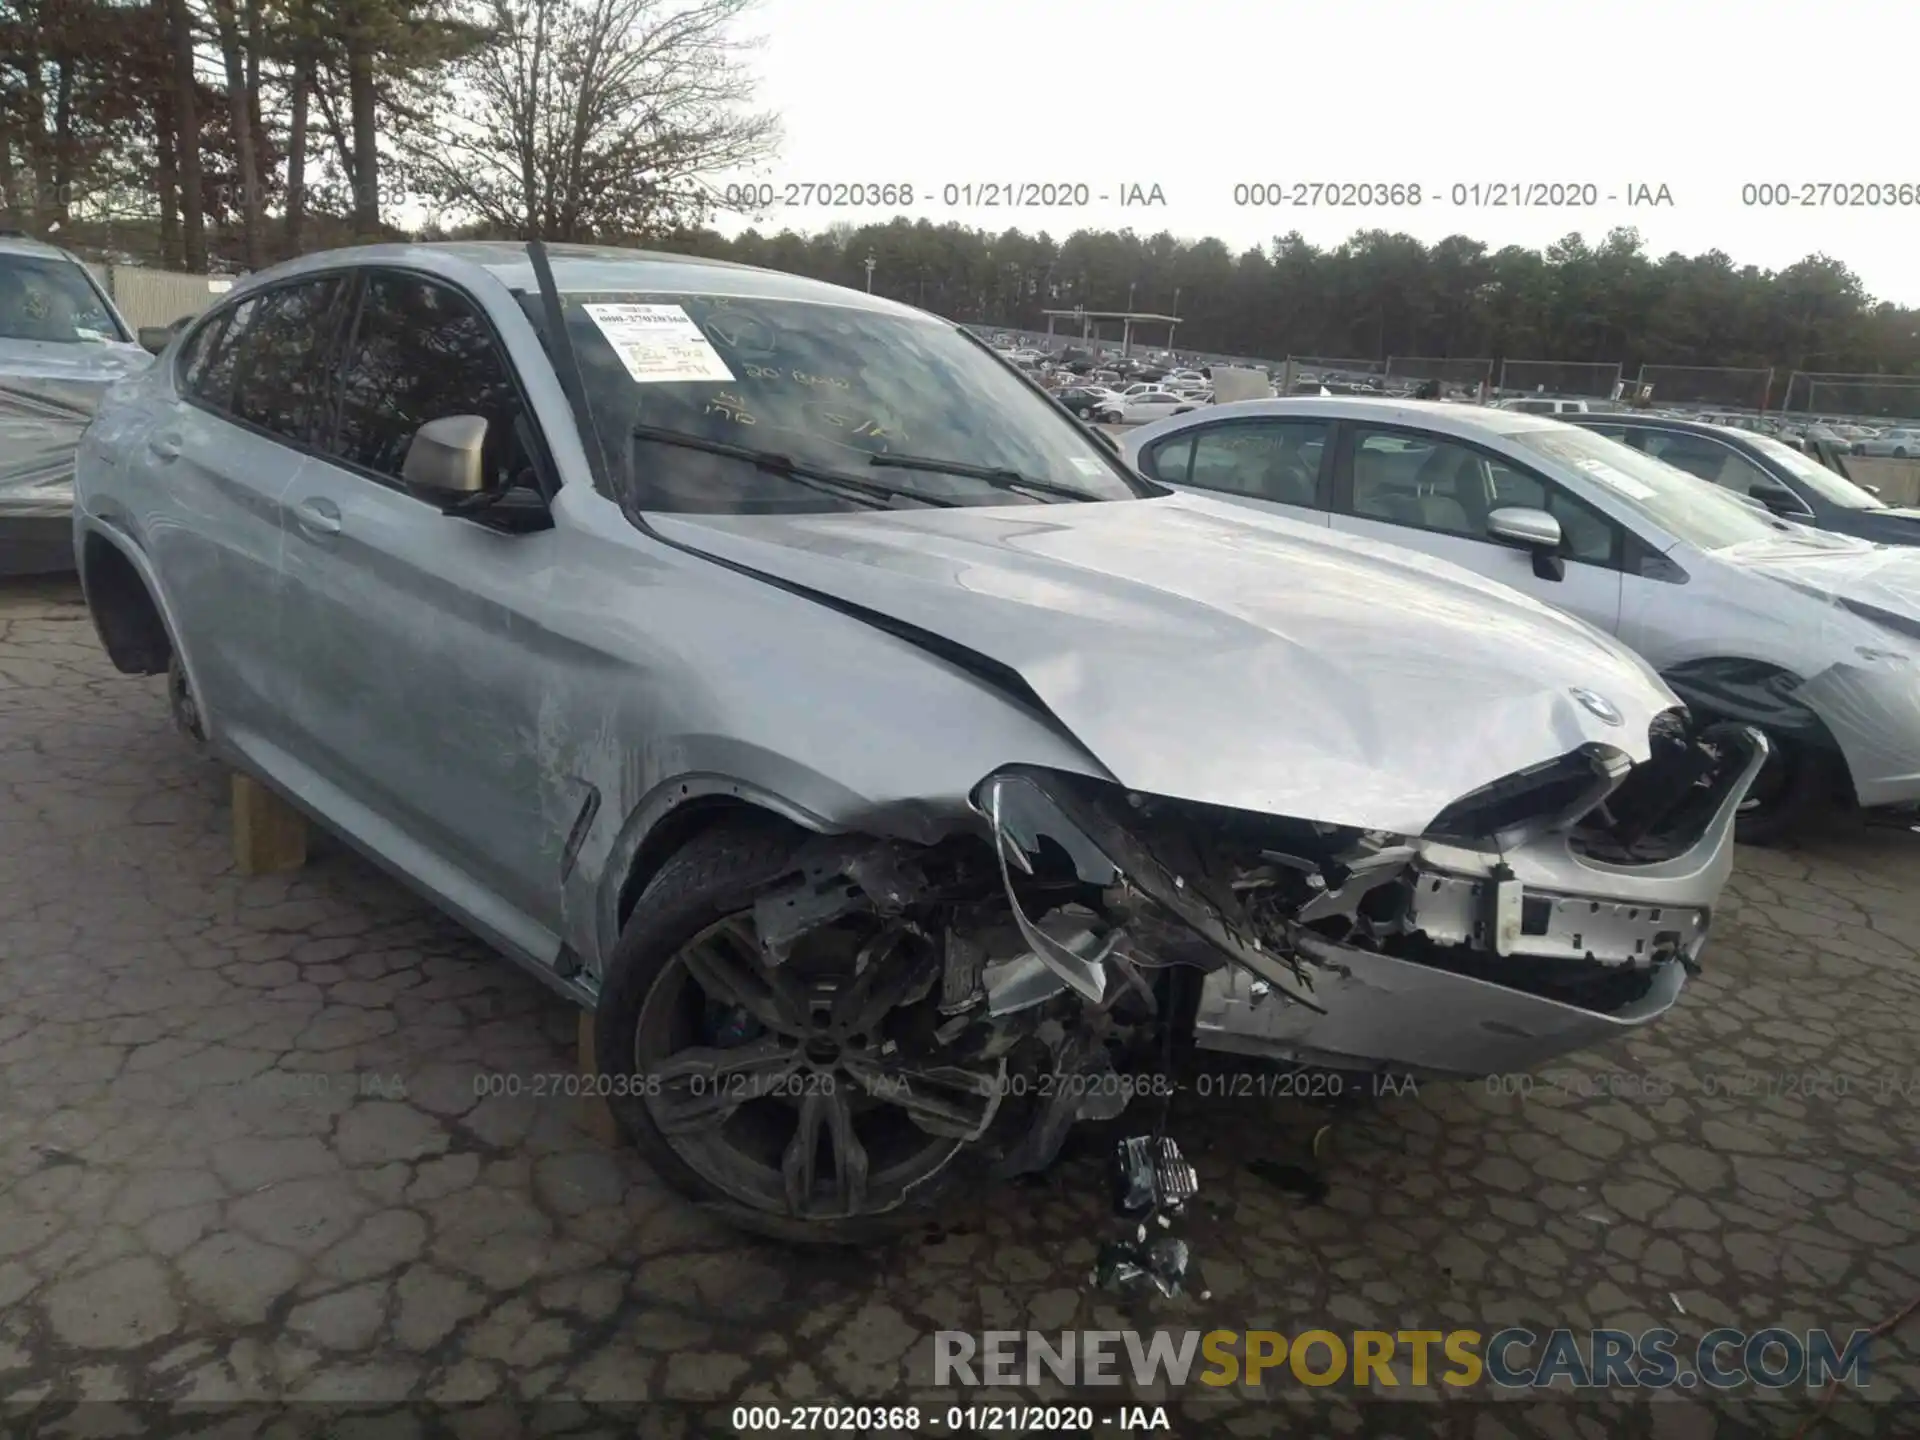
column 242, row 1157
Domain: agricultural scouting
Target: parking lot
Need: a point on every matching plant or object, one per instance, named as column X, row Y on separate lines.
column 242, row 1157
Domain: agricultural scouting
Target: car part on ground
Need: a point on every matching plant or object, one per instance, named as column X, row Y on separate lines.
column 901, row 779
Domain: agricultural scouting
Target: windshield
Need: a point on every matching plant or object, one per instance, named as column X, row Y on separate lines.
column 1684, row 505
column 895, row 403
column 47, row 298
column 1835, row 489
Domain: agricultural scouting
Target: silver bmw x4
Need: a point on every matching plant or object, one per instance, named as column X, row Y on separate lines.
column 897, row 775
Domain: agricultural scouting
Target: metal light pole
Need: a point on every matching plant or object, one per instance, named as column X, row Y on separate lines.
column 869, row 262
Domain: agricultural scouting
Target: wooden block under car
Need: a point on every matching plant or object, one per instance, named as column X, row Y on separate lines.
column 597, row 1116
column 269, row 835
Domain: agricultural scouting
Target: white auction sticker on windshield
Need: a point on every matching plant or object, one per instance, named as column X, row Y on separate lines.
column 1088, row 467
column 1615, row 479
column 658, row 343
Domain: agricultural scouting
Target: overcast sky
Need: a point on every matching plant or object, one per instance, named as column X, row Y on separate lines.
column 1197, row 96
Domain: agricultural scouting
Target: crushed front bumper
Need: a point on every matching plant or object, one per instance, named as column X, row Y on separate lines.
column 1542, row 902
column 1386, row 1014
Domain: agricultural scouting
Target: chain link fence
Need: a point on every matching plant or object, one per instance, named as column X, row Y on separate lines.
column 1406, row 373
column 1560, row 377
column 1863, row 397
column 1721, row 386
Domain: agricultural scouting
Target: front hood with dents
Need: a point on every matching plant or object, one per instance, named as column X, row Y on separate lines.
column 1837, row 567
column 1204, row 652
column 68, row 369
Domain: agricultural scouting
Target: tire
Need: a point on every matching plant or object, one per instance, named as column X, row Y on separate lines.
column 711, row 883
column 1900, row 452
column 1792, row 793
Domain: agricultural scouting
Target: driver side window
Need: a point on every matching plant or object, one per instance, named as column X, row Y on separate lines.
column 1430, row 483
column 420, row 351
column 1712, row 461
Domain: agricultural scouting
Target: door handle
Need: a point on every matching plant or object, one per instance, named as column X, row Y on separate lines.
column 165, row 447
column 320, row 516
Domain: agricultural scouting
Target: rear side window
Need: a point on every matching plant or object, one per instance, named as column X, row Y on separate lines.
column 197, row 354
column 1277, row 460
column 210, row 378
column 282, row 359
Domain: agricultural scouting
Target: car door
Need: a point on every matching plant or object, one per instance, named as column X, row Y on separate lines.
column 420, row 667
column 1432, row 493
column 1282, row 465
column 234, row 443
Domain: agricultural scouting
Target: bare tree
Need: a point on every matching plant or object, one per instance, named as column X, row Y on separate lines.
column 242, row 82
column 596, row 118
column 186, row 119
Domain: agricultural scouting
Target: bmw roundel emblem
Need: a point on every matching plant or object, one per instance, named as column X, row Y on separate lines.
column 1597, row 705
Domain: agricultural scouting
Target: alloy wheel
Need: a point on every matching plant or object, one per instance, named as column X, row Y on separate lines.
column 794, row 1086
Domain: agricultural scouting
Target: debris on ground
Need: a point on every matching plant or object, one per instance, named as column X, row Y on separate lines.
column 1133, row 1269
column 1151, row 1175
column 1152, row 1182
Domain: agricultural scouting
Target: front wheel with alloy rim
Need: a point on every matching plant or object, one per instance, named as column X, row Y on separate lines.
column 1793, row 790
column 784, row 1094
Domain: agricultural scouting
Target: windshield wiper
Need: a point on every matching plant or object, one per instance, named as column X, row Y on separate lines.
column 999, row 477
column 814, row 477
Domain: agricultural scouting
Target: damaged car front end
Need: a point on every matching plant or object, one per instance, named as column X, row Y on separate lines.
column 1009, row 984
column 1463, row 952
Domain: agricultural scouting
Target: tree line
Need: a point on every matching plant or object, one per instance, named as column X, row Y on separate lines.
column 1378, row 294
column 198, row 134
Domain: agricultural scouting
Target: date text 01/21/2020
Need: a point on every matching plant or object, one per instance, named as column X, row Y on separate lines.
column 951, row 195
column 907, row 1420
column 1466, row 195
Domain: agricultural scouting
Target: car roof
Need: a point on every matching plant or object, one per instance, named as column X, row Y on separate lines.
column 1663, row 422
column 11, row 244
column 1465, row 421
column 592, row 268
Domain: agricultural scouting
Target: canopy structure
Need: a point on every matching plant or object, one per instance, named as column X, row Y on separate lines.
column 1090, row 320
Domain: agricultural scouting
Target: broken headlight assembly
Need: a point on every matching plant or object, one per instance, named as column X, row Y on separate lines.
column 1523, row 806
column 1157, row 890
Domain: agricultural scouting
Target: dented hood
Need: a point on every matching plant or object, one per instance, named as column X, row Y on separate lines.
column 1837, row 567
column 48, row 392
column 1204, row 652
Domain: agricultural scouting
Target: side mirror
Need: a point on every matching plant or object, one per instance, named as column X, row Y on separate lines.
column 1777, row 498
column 155, row 338
column 1528, row 529
column 444, row 456
column 1524, row 527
